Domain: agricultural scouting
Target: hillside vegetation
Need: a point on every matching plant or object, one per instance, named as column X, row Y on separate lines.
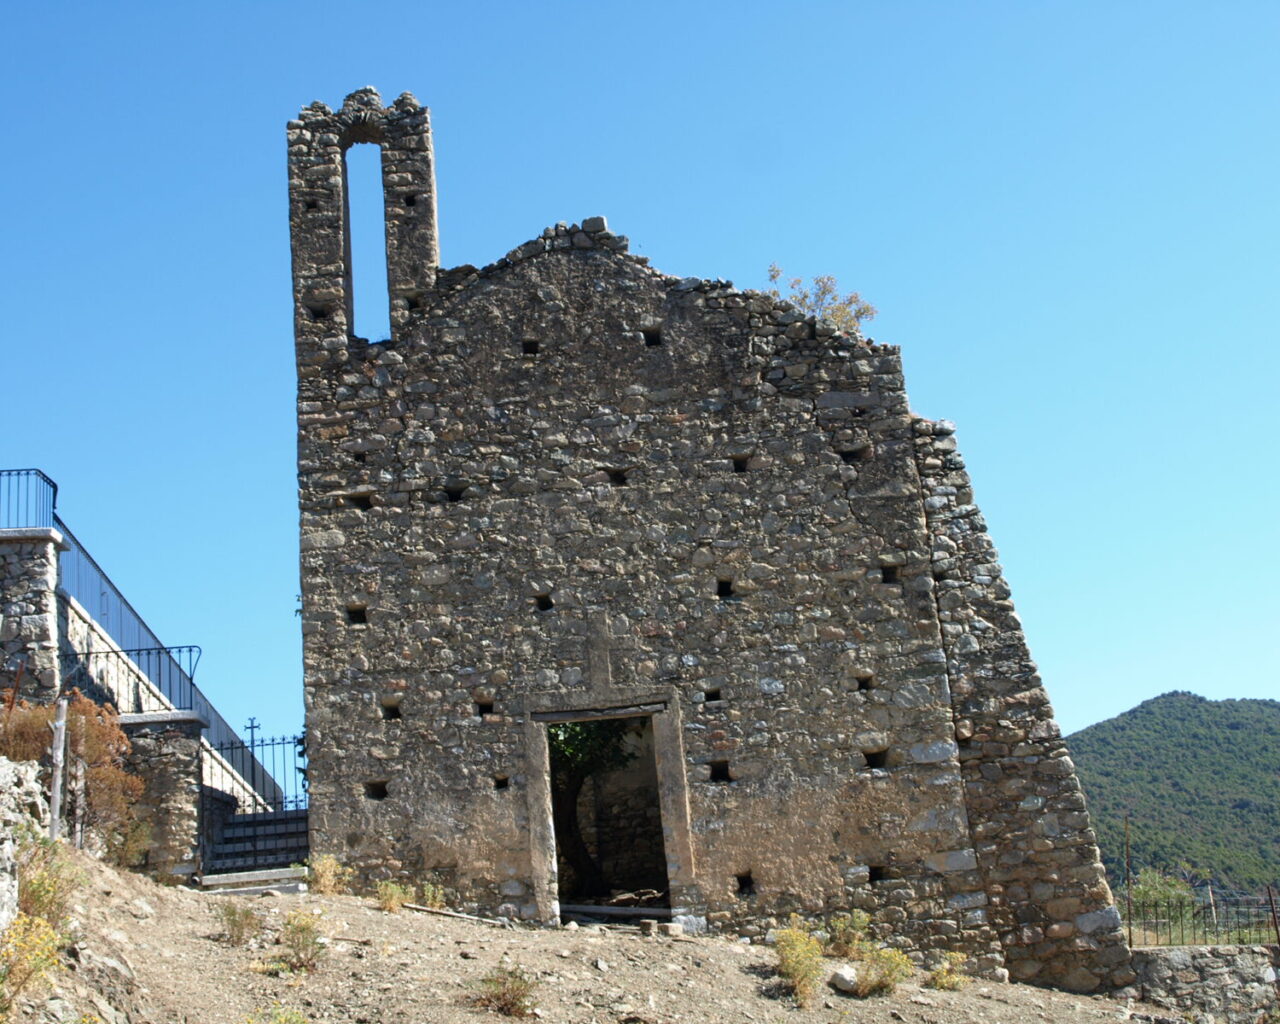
column 1200, row 780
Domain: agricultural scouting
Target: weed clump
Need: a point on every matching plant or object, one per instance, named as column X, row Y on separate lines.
column 327, row 875
column 433, row 895
column 948, row 975
column 303, row 944
column 240, row 925
column 277, row 1014
column 28, row 955
column 799, row 961
column 880, row 968
column 47, row 878
column 506, row 990
column 846, row 933
column 392, row 896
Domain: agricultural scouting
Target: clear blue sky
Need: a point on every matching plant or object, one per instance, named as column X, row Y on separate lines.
column 1066, row 213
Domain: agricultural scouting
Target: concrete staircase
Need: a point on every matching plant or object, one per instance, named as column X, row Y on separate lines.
column 259, row 842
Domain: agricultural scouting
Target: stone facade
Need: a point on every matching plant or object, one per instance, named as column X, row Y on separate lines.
column 572, row 487
column 22, row 803
column 1230, row 984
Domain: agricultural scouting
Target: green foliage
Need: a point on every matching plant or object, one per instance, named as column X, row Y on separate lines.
column 880, row 968
column 301, row 940
column 846, row 933
column 588, row 748
column 433, row 895
column 1152, row 884
column 1198, row 779
column 822, row 298
column 799, row 962
column 508, row 991
column 277, row 1014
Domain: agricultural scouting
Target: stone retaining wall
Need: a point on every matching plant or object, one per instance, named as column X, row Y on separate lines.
column 1233, row 984
column 21, row 802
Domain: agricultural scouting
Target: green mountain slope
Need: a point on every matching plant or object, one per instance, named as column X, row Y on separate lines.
column 1200, row 780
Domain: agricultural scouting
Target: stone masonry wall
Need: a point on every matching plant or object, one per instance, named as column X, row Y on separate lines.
column 28, row 610
column 571, row 486
column 166, row 755
column 1232, row 984
column 22, row 802
column 1037, row 851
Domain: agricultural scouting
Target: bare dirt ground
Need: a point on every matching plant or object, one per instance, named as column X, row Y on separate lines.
column 152, row 955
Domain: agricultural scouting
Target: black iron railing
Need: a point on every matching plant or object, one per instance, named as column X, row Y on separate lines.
column 1229, row 921
column 146, row 679
column 275, row 768
column 83, row 579
column 27, row 499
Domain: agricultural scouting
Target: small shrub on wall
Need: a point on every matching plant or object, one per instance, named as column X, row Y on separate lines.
column 94, row 737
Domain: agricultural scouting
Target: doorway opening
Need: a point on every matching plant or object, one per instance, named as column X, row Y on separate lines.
column 606, row 814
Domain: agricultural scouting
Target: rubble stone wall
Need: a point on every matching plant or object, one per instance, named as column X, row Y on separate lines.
column 166, row 755
column 28, row 610
column 22, row 802
column 573, row 486
column 1235, row 984
column 1038, row 854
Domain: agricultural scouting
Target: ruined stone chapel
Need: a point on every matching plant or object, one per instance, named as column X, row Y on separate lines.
column 573, row 489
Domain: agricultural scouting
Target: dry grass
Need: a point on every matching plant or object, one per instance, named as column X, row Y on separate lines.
column 28, row 955
column 327, row 875
column 800, row 963
column 392, row 896
column 240, row 925
column 508, row 991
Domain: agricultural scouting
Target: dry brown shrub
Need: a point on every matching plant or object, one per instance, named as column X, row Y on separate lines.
column 94, row 736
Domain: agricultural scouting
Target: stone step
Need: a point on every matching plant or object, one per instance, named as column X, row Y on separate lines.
column 249, row 863
column 261, row 844
column 266, row 878
column 281, row 828
column 262, row 817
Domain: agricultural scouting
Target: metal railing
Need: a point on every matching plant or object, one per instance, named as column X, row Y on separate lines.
column 274, row 767
column 1182, row 921
column 27, row 499
column 147, row 679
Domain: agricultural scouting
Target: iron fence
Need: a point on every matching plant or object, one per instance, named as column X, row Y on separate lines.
column 254, row 806
column 273, row 767
column 27, row 499
column 81, row 577
column 1182, row 921
column 149, row 679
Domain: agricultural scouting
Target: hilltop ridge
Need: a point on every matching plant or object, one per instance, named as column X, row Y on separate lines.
column 1200, row 781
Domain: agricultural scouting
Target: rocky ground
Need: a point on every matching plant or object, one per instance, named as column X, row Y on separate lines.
column 152, row 955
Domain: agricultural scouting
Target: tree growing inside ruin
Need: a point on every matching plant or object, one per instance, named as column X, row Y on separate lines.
column 821, row 298
column 580, row 750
